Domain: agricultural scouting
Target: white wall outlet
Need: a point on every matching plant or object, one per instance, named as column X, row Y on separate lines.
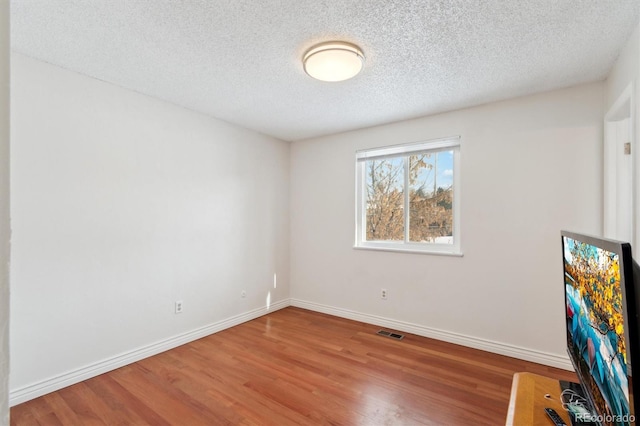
column 383, row 293
column 243, row 294
column 178, row 306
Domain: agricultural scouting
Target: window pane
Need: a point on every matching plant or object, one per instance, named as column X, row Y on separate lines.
column 431, row 197
column 385, row 199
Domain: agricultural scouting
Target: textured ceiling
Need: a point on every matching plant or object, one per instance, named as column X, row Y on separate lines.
column 239, row 60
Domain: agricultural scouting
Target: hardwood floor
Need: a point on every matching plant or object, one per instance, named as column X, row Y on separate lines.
column 294, row 367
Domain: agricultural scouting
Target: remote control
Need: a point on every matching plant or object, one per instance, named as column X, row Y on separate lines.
column 555, row 417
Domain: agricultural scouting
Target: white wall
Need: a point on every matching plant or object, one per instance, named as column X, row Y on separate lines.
column 121, row 205
column 626, row 72
column 5, row 229
column 530, row 167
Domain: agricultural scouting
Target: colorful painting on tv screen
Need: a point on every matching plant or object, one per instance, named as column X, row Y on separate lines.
column 595, row 323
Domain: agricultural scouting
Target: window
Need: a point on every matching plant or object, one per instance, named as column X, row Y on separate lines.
column 408, row 197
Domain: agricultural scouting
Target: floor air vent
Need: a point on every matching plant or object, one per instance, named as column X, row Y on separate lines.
column 390, row 334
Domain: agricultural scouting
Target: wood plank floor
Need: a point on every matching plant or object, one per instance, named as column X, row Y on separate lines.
column 294, row 367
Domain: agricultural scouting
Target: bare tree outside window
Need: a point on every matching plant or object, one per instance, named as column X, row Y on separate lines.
column 385, row 199
column 430, row 198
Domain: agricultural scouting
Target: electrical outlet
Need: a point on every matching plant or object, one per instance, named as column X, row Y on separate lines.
column 383, row 293
column 243, row 294
column 178, row 306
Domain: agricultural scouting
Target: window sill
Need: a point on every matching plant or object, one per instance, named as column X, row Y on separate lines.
column 402, row 250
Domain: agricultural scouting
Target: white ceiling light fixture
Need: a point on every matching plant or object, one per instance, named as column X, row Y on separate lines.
column 333, row 61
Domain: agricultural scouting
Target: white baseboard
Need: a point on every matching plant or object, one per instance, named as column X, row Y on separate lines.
column 447, row 336
column 52, row 384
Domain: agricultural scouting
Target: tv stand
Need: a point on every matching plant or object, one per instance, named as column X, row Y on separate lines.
column 530, row 395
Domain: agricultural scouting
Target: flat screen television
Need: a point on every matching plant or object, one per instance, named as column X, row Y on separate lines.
column 601, row 325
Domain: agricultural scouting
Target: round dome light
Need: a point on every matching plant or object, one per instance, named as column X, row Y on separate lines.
column 333, row 61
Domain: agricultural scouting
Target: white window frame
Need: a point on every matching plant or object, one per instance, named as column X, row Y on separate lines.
column 405, row 150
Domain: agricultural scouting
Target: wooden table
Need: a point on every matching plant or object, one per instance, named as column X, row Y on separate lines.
column 530, row 395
